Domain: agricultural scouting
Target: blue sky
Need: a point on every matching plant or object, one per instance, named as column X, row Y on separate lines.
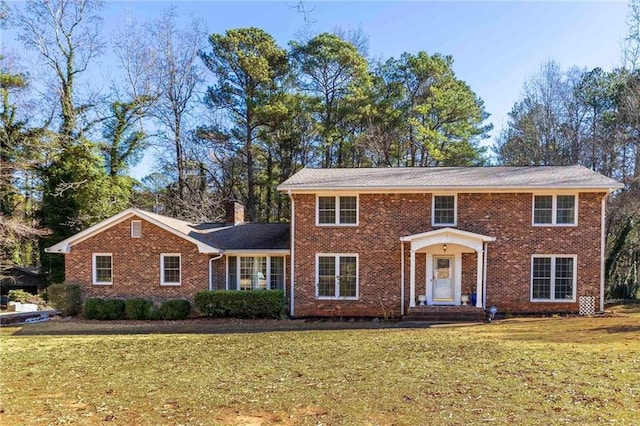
column 496, row 46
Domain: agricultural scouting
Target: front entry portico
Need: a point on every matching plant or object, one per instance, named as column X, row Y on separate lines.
column 444, row 249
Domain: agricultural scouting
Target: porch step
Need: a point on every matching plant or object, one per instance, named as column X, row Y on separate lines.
column 445, row 313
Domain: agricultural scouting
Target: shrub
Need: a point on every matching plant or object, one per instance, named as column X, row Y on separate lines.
column 177, row 309
column 104, row 309
column 19, row 296
column 66, row 298
column 139, row 309
column 241, row 304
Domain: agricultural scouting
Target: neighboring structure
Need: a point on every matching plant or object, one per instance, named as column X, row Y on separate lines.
column 374, row 242
column 29, row 279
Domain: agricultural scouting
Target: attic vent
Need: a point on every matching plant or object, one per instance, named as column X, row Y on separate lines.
column 136, row 228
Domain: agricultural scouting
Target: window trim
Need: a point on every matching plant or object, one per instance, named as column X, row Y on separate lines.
column 337, row 257
column 140, row 224
column 268, row 260
column 94, row 270
column 553, row 258
column 336, row 221
column 162, row 281
column 433, row 209
column 554, row 208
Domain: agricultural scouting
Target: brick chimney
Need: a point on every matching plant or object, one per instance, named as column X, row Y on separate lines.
column 235, row 212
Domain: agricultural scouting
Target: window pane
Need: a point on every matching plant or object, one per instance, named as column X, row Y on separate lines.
column 326, row 276
column 277, row 273
column 444, row 209
column 233, row 273
column 348, row 210
column 326, row 210
column 171, row 269
column 565, row 209
column 253, row 273
column 348, row 276
column 103, row 269
column 543, row 209
column 541, row 277
column 564, row 278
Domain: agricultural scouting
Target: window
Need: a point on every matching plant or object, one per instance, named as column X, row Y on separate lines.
column 255, row 272
column 553, row 278
column 554, row 209
column 102, row 269
column 444, row 210
column 337, row 276
column 170, row 269
column 338, row 210
column 136, row 228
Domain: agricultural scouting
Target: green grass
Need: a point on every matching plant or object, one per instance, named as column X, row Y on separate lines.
column 520, row 371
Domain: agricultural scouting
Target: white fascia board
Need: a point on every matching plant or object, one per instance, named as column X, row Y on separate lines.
column 65, row 245
column 300, row 189
column 244, row 252
column 445, row 231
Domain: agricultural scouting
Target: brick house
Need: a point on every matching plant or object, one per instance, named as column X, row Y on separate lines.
column 374, row 242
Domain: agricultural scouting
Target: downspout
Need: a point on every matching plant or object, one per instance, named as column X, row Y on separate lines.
column 603, row 209
column 211, row 259
column 484, row 275
column 293, row 263
column 401, row 278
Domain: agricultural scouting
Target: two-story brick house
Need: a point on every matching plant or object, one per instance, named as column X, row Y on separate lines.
column 374, row 242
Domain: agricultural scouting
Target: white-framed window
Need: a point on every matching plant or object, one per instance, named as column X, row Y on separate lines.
column 553, row 278
column 444, row 210
column 337, row 276
column 337, row 210
column 555, row 210
column 255, row 273
column 136, row 228
column 102, row 270
column 170, row 269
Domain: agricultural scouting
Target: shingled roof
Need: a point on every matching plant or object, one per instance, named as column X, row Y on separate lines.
column 449, row 178
column 250, row 236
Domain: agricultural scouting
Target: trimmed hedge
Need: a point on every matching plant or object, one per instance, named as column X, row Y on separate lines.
column 176, row 309
column 66, row 298
column 139, row 309
column 104, row 309
column 241, row 304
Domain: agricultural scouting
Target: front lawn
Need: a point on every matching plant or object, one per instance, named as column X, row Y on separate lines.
column 521, row 371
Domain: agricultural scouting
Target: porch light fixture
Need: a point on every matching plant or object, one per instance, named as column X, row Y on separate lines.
column 444, row 248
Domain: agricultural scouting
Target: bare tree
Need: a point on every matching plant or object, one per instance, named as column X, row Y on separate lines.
column 66, row 35
column 178, row 70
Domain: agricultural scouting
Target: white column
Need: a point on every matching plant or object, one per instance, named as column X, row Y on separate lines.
column 412, row 280
column 401, row 278
column 479, row 275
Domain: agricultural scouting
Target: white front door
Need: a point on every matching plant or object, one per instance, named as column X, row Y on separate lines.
column 443, row 283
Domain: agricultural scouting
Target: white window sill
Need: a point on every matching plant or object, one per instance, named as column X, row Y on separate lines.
column 554, row 225
column 170, row 284
column 552, row 300
column 102, row 283
column 342, row 225
column 444, row 224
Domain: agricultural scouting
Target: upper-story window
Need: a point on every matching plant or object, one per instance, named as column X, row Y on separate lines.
column 444, row 210
column 337, row 210
column 554, row 210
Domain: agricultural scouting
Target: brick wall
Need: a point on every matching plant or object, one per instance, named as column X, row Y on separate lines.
column 136, row 263
column 384, row 218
